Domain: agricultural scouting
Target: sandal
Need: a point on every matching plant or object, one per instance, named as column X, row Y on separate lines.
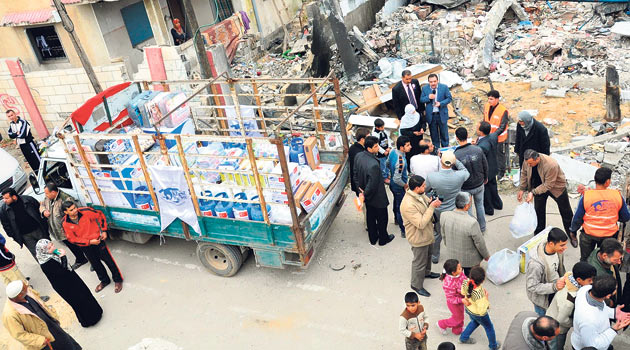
column 100, row 287
column 118, row 287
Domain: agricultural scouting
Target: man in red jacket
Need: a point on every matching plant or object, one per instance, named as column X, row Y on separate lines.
column 87, row 228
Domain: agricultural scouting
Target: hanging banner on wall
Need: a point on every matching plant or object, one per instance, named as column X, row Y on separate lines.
column 173, row 196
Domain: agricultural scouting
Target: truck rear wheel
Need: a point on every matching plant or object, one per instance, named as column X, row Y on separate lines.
column 222, row 260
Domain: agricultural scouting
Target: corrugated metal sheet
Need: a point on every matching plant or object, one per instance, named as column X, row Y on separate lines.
column 30, row 17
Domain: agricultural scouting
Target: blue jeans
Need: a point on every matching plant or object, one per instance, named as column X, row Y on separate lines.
column 383, row 163
column 398, row 193
column 439, row 131
column 476, row 321
column 477, row 194
column 558, row 342
column 539, row 310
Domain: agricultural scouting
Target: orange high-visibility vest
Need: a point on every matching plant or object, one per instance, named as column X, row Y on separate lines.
column 602, row 212
column 495, row 120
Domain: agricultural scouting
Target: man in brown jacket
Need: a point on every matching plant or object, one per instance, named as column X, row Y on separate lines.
column 542, row 177
column 417, row 210
column 31, row 322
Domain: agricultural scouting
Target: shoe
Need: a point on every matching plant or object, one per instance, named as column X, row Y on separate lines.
column 490, row 213
column 468, row 341
column 78, row 264
column 435, row 259
column 432, row 275
column 574, row 241
column 101, row 286
column 442, row 330
column 422, row 291
column 389, row 239
column 498, row 346
column 91, row 268
column 44, row 298
column 403, row 235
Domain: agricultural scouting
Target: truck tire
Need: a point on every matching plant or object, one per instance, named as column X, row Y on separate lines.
column 222, row 260
column 129, row 236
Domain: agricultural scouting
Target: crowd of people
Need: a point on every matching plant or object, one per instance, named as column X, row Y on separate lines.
column 83, row 231
column 443, row 196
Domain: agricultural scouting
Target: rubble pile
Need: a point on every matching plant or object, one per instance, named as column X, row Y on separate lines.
column 570, row 39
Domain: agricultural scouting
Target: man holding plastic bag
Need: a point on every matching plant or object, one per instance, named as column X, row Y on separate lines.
column 542, row 177
column 544, row 273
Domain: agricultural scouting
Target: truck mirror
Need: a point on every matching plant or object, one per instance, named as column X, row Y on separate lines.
column 32, row 178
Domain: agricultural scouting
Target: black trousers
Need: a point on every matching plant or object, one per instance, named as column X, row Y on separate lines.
column 377, row 224
column 491, row 198
column 30, row 240
column 502, row 158
column 588, row 243
column 79, row 256
column 31, row 153
column 96, row 253
column 540, row 204
column 625, row 298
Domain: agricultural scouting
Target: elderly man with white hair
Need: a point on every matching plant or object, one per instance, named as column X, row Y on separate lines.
column 462, row 236
column 33, row 323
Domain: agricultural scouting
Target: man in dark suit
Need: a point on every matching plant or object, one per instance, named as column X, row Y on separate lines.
column 407, row 91
column 436, row 96
column 488, row 142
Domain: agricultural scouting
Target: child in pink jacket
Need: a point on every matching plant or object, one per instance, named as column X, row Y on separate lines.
column 452, row 278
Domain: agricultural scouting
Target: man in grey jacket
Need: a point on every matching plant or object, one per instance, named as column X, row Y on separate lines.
column 445, row 184
column 544, row 273
column 462, row 237
column 527, row 332
column 474, row 160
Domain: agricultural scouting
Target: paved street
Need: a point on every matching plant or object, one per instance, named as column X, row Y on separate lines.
column 169, row 297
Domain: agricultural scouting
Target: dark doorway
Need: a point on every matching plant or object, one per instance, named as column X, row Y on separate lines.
column 176, row 9
column 46, row 43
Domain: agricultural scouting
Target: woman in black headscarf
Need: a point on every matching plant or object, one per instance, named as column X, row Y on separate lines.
column 67, row 283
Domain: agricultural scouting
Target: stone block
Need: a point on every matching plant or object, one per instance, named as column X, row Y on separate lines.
column 57, row 99
column 75, row 98
column 35, row 82
column 68, row 107
column 81, row 88
column 45, row 90
column 51, row 81
column 63, row 89
column 68, row 79
column 611, row 160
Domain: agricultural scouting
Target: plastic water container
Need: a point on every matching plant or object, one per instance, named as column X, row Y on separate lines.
column 255, row 211
column 223, row 209
column 141, row 200
column 241, row 210
column 297, row 154
column 207, row 205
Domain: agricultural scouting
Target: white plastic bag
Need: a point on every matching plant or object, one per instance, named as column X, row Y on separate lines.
column 503, row 266
column 524, row 221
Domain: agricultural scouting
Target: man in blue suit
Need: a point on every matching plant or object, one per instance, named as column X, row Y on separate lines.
column 436, row 96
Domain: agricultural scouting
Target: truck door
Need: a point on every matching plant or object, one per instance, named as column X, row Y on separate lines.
column 56, row 171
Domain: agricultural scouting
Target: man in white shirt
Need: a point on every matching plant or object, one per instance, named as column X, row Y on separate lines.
column 424, row 163
column 591, row 320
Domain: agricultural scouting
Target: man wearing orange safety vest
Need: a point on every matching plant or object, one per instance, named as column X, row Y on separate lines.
column 597, row 213
column 497, row 115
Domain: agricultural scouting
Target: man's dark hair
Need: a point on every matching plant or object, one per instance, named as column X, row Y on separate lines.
column 411, row 297
column 433, row 75
column 603, row 285
column 361, row 133
column 52, row 187
column 67, row 204
column 545, row 326
column 493, row 93
column 423, row 146
column 584, row 270
column 485, row 127
column 530, row 154
column 406, row 72
column 370, row 141
column 401, row 141
column 602, row 175
column 610, row 246
column 415, row 181
column 378, row 122
column 461, row 133
column 556, row 235
column 9, row 110
column 447, row 345
column 10, row 191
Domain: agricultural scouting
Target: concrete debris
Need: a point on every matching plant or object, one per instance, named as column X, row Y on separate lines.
column 561, row 92
column 621, row 28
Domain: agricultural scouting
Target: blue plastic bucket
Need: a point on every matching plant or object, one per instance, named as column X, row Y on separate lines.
column 297, row 155
column 241, row 209
column 223, row 209
column 141, row 200
column 206, row 206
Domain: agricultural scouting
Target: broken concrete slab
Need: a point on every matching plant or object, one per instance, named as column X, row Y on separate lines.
column 449, row 4
column 611, row 160
column 560, row 92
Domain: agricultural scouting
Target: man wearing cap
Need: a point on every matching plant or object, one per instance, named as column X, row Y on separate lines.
column 446, row 183
column 417, row 210
column 33, row 323
column 542, row 176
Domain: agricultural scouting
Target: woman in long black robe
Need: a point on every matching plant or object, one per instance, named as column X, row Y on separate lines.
column 412, row 125
column 67, row 283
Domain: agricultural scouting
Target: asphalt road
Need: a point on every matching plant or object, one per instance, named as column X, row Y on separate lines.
column 172, row 302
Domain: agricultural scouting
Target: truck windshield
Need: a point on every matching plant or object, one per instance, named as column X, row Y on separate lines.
column 57, row 172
